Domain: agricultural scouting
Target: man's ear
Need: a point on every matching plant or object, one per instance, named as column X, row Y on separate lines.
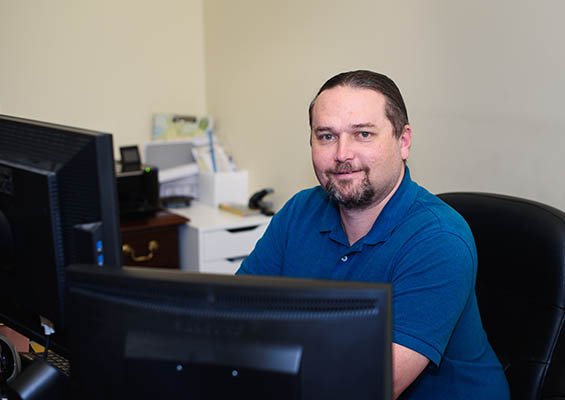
column 405, row 141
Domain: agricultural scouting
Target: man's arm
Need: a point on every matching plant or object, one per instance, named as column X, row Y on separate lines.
column 432, row 283
column 406, row 366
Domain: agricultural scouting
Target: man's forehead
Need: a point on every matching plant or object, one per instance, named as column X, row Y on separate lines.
column 357, row 105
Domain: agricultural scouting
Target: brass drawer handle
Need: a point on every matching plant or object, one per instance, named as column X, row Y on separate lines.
column 153, row 246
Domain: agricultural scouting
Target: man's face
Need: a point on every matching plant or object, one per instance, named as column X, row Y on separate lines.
column 355, row 154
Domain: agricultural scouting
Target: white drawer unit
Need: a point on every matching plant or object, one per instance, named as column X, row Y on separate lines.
column 216, row 241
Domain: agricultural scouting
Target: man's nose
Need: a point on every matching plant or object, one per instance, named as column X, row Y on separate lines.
column 344, row 149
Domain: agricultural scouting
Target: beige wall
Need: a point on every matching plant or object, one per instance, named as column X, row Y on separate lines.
column 483, row 82
column 104, row 64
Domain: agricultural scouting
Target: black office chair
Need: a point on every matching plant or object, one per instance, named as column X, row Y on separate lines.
column 520, row 287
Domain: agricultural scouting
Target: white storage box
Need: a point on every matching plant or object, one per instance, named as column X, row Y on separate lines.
column 223, row 187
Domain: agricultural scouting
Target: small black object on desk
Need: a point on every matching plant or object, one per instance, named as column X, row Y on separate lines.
column 256, row 202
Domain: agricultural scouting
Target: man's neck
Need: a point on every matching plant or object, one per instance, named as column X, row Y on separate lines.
column 358, row 222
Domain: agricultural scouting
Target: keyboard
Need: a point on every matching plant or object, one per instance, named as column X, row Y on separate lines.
column 54, row 359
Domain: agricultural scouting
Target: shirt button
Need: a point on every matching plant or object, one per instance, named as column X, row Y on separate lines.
column 344, row 258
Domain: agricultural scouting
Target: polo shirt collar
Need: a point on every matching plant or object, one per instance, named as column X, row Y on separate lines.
column 394, row 211
column 330, row 221
column 389, row 218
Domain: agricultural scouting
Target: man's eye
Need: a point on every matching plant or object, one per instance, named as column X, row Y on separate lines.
column 364, row 135
column 326, row 137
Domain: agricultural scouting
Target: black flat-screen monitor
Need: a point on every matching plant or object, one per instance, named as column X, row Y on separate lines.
column 154, row 334
column 58, row 206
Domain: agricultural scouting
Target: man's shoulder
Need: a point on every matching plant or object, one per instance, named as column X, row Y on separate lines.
column 432, row 228
column 430, row 211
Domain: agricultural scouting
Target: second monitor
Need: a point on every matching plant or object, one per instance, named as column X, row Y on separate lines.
column 142, row 333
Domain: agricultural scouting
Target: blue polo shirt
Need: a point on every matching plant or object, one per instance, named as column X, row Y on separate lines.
column 421, row 246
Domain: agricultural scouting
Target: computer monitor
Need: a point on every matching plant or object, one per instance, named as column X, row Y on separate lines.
column 58, row 206
column 147, row 333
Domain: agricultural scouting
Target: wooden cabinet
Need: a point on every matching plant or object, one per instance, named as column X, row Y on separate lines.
column 152, row 241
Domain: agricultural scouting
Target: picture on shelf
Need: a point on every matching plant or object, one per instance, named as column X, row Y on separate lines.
column 168, row 126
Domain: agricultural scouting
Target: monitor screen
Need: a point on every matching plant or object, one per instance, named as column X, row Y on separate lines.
column 147, row 333
column 58, row 206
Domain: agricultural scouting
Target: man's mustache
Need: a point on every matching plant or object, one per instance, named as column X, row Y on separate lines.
column 346, row 167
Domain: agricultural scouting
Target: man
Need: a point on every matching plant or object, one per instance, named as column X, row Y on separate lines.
column 368, row 221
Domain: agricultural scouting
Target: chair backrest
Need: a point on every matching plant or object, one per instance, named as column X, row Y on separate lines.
column 520, row 287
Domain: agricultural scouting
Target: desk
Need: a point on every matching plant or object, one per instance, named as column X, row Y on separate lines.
column 216, row 241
